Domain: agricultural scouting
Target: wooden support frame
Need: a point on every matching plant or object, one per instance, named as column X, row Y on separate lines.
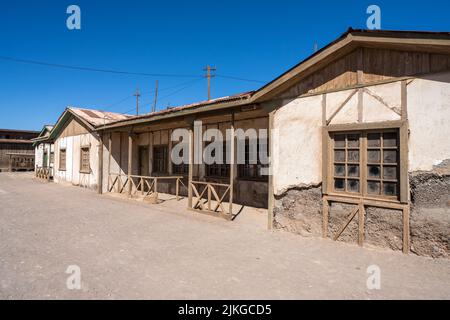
column 100, row 165
column 130, row 161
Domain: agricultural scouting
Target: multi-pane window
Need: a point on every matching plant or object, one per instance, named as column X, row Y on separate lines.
column 347, row 163
column 160, row 159
column 182, row 168
column 221, row 170
column 85, row 166
column 253, row 170
column 62, row 159
column 366, row 163
column 383, row 164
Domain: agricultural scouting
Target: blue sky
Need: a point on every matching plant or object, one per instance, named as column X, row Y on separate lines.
column 255, row 40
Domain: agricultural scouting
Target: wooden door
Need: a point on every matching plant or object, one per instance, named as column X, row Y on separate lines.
column 143, row 161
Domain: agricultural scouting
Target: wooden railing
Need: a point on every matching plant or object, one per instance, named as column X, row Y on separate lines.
column 143, row 185
column 206, row 198
column 43, row 173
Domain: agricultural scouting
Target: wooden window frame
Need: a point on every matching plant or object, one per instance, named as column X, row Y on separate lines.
column 222, row 168
column 82, row 170
column 255, row 167
column 60, row 166
column 164, row 160
column 328, row 166
column 181, row 169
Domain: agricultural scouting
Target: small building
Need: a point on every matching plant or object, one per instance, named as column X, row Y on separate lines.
column 77, row 143
column 44, row 154
column 16, row 150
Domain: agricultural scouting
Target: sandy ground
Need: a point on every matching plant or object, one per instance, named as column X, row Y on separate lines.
column 128, row 249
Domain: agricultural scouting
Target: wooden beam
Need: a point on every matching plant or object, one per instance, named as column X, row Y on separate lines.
column 191, row 165
column 130, row 162
column 325, row 218
column 271, row 196
column 100, row 166
column 232, row 164
column 406, row 230
column 404, row 100
column 347, row 222
column 361, row 223
column 109, row 157
column 341, row 106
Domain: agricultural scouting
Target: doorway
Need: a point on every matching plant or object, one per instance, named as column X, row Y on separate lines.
column 144, row 161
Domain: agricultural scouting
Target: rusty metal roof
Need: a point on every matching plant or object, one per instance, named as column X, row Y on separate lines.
column 237, row 97
column 97, row 117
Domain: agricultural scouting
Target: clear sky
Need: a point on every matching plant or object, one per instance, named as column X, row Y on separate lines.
column 255, row 40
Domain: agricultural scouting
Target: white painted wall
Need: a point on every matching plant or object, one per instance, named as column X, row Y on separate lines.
column 429, row 121
column 39, row 153
column 72, row 173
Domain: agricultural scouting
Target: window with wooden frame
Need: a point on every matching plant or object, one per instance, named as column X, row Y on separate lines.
column 182, row 168
column 366, row 163
column 62, row 160
column 219, row 170
column 253, row 171
column 160, row 159
column 85, row 166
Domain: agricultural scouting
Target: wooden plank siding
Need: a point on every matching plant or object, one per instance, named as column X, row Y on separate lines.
column 377, row 65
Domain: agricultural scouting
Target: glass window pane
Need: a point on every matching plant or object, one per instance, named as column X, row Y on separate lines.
column 339, row 156
column 373, row 140
column 390, row 139
column 353, row 185
column 339, row 170
column 353, row 156
column 390, row 173
column 390, row 189
column 374, row 172
column 390, row 156
column 373, row 187
column 339, row 184
column 353, row 141
column 374, row 156
column 339, row 141
column 353, row 171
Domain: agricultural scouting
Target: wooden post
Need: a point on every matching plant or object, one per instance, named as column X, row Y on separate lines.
column 169, row 151
column 109, row 158
column 177, row 189
column 232, row 165
column 209, row 196
column 270, row 215
column 191, row 165
column 10, row 163
column 406, row 231
column 361, row 222
column 326, row 210
column 100, row 166
column 130, row 162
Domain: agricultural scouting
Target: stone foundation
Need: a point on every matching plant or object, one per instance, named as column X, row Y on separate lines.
column 299, row 210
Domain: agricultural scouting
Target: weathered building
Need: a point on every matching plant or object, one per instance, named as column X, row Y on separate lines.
column 44, row 154
column 16, row 150
column 358, row 145
column 76, row 144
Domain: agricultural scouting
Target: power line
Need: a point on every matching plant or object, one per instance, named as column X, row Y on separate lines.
column 238, row 78
column 64, row 66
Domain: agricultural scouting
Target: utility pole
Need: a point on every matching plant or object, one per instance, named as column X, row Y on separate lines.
column 156, row 97
column 137, row 95
column 208, row 75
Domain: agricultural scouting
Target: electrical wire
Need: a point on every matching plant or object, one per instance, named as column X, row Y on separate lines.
column 64, row 66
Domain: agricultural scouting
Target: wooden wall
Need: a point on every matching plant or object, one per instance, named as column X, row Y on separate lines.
column 376, row 65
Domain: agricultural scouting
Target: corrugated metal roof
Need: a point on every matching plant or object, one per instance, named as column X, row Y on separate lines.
column 97, row 117
column 212, row 102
